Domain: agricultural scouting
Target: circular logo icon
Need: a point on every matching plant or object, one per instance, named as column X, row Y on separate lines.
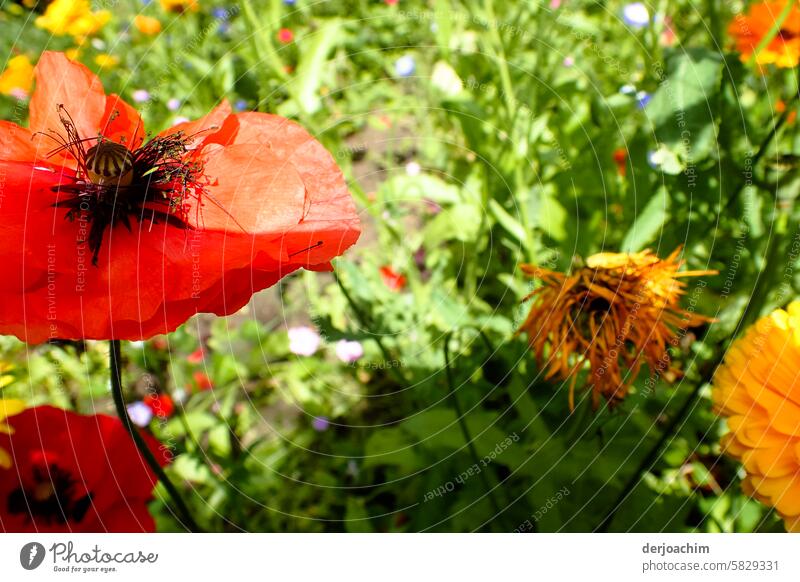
column 31, row 555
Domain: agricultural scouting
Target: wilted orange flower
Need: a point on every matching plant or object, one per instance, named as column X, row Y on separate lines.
column 147, row 24
column 758, row 389
column 749, row 30
column 618, row 311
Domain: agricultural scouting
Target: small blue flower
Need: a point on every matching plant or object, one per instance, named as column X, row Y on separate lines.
column 642, row 99
column 405, row 66
column 220, row 13
column 290, row 2
column 240, row 105
column 636, row 15
column 174, row 104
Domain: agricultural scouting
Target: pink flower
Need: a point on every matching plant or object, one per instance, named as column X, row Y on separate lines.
column 303, row 341
column 349, row 351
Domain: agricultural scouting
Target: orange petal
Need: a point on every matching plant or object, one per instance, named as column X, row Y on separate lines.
column 16, row 143
column 251, row 190
column 199, row 130
column 121, row 123
column 60, row 81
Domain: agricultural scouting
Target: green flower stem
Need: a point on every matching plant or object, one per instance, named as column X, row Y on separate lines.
column 462, row 423
column 115, row 360
column 366, row 321
column 762, row 150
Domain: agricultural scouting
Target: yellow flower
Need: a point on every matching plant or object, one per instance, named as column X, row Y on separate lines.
column 105, row 61
column 179, row 6
column 8, row 408
column 757, row 389
column 619, row 311
column 147, row 24
column 5, row 378
column 73, row 17
column 17, row 79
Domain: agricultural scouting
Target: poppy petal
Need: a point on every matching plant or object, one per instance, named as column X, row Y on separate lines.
column 121, row 123
column 251, row 190
column 60, row 81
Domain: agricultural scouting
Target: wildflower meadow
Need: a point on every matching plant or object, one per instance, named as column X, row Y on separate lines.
column 399, row 266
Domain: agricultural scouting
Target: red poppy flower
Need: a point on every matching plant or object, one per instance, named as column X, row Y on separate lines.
column 285, row 36
column 392, row 279
column 196, row 356
column 620, row 156
column 74, row 473
column 107, row 235
column 161, row 404
column 202, row 381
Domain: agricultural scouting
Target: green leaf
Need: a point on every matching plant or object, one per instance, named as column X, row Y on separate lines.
column 649, row 223
column 462, row 223
column 683, row 109
column 311, row 68
column 511, row 224
column 357, row 517
column 389, row 446
column 402, row 187
column 548, row 213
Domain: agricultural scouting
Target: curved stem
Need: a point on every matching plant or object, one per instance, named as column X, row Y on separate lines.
column 762, row 150
column 115, row 359
column 462, row 423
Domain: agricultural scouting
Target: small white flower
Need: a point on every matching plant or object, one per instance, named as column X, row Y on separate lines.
column 140, row 413
column 405, row 66
column 349, row 351
column 413, row 169
column 445, row 78
column 141, row 95
column 636, row 15
column 303, row 341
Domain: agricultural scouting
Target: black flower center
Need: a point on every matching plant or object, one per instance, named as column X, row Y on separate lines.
column 50, row 498
column 114, row 183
